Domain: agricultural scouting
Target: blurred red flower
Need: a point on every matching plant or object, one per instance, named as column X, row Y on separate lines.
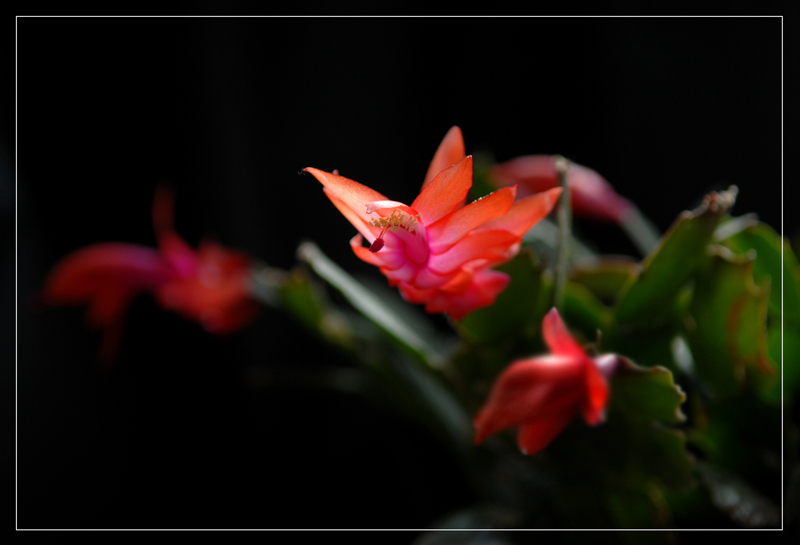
column 541, row 395
column 210, row 285
column 592, row 196
column 439, row 251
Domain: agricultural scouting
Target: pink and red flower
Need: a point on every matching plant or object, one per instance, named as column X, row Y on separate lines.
column 439, row 250
column 541, row 395
column 209, row 285
column 592, row 196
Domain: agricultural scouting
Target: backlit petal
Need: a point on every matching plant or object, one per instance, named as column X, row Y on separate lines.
column 443, row 234
column 489, row 244
column 369, row 232
column 385, row 208
column 450, row 152
column 525, row 212
column 445, row 193
column 353, row 194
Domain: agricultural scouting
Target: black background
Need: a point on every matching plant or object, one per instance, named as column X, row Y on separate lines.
column 181, row 433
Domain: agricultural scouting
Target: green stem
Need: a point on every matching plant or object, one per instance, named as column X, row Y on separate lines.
column 564, row 220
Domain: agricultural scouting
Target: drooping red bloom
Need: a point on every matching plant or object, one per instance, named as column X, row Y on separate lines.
column 209, row 285
column 440, row 251
column 541, row 395
column 592, row 196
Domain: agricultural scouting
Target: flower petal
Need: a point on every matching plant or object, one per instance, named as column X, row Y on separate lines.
column 460, row 283
column 385, row 208
column 413, row 294
column 534, row 173
column 106, row 278
column 445, row 192
column 492, row 244
column 525, row 213
column 536, row 435
column 364, row 254
column 450, row 152
column 353, row 194
column 532, row 389
column 370, row 233
column 443, row 234
column 427, row 278
column 593, row 408
column 92, row 271
column 172, row 247
column 557, row 336
column 592, row 195
column 482, row 292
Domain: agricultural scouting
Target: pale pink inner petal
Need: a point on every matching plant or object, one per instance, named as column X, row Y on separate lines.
column 426, row 278
column 413, row 244
column 406, row 273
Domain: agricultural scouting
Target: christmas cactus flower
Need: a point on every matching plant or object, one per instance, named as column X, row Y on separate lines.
column 592, row 196
column 541, row 395
column 438, row 250
column 210, row 285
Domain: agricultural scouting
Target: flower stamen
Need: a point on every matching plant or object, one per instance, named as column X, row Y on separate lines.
column 397, row 219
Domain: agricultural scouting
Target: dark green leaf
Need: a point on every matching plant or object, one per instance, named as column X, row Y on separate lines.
column 634, row 448
column 784, row 350
column 771, row 265
column 604, row 278
column 682, row 251
column 647, row 393
column 583, row 311
column 643, row 401
column 727, row 331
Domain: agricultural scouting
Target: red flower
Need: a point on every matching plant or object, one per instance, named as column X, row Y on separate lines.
column 592, row 196
column 210, row 285
column 541, row 395
column 438, row 251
